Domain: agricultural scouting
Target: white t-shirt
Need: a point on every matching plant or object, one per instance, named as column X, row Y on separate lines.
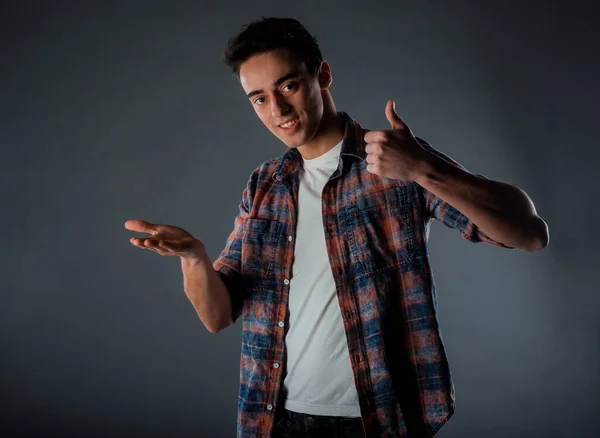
column 319, row 379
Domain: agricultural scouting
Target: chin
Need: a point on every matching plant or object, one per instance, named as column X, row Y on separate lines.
column 293, row 142
column 296, row 144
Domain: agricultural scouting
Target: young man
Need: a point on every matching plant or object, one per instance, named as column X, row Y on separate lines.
column 327, row 264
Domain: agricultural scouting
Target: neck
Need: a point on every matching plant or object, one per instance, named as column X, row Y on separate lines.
column 330, row 133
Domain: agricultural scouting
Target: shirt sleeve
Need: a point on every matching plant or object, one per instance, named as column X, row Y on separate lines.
column 229, row 263
column 450, row 216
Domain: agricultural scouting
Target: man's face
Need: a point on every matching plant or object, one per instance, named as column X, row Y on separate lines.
column 286, row 98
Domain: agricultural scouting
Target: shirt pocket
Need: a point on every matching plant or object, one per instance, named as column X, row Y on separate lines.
column 261, row 243
column 380, row 230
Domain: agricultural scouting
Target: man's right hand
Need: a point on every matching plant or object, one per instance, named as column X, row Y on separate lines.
column 166, row 240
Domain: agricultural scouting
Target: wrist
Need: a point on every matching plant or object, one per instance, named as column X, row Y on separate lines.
column 197, row 257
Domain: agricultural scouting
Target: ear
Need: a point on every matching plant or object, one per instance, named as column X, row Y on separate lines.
column 324, row 75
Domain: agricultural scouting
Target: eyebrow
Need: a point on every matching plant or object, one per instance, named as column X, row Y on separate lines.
column 278, row 82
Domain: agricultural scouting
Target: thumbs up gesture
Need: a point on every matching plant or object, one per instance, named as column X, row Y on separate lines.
column 395, row 153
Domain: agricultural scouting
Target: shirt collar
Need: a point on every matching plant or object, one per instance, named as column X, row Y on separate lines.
column 353, row 147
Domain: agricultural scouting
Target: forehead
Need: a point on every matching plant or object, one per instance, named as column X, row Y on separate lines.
column 261, row 70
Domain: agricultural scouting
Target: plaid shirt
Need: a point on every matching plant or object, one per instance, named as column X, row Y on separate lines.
column 376, row 233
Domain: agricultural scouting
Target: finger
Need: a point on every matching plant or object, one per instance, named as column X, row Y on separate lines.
column 177, row 247
column 372, row 136
column 374, row 148
column 141, row 226
column 169, row 245
column 380, row 136
column 138, row 241
column 371, row 168
column 163, row 249
column 144, row 243
column 392, row 116
column 157, row 246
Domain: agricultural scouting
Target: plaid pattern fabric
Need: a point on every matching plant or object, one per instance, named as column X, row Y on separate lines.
column 376, row 234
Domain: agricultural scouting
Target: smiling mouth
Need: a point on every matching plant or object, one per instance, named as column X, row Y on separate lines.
column 290, row 124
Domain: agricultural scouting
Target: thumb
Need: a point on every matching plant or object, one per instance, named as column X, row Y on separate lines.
column 141, row 226
column 393, row 118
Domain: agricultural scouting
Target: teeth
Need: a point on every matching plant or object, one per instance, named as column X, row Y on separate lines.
column 289, row 124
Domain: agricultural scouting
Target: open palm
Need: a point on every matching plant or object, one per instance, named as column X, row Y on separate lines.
column 167, row 240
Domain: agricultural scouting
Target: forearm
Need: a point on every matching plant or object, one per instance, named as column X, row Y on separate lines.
column 502, row 211
column 207, row 293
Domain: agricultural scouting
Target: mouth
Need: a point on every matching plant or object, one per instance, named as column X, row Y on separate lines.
column 290, row 125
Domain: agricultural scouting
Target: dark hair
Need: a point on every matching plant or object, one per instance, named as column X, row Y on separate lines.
column 271, row 33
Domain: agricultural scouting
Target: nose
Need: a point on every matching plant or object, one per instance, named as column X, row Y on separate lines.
column 279, row 106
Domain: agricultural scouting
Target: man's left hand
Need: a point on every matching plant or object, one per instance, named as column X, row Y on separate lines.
column 395, row 153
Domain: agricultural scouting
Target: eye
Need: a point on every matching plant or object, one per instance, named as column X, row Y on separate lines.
column 290, row 87
column 261, row 99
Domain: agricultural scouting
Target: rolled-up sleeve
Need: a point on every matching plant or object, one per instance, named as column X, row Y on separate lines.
column 229, row 263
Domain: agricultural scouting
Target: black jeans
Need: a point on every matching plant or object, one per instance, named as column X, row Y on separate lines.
column 290, row 424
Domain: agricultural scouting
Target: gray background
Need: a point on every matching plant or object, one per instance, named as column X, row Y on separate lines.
column 112, row 111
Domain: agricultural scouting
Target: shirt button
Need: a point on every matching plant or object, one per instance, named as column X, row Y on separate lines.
column 286, row 281
column 275, row 365
column 269, row 407
column 280, row 324
column 290, row 238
